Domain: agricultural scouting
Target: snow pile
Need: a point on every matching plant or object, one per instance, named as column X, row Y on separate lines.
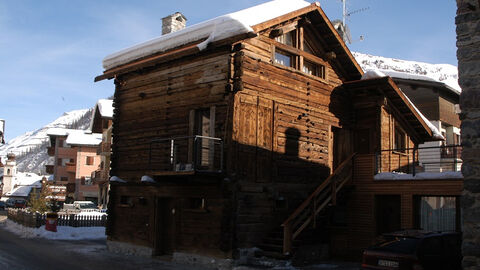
column 418, row 176
column 216, row 29
column 63, row 232
column 396, row 68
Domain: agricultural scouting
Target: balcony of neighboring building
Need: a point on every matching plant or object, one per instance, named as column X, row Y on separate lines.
column 71, row 167
column 186, row 155
column 50, row 169
column 429, row 162
column 104, row 149
column 51, row 151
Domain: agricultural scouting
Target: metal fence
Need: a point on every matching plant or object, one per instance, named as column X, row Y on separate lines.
column 445, row 158
column 35, row 220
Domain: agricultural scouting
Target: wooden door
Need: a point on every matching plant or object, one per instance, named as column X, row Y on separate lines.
column 165, row 226
column 341, row 145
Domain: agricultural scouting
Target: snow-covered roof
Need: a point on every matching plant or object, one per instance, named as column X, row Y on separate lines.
column 77, row 137
column 26, row 179
column 216, row 29
column 396, row 68
column 82, row 138
column 105, row 108
column 436, row 134
column 20, row 191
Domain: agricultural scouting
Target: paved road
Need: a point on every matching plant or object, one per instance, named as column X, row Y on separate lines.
column 31, row 254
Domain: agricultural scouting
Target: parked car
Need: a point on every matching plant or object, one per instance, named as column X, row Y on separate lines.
column 415, row 250
column 20, row 204
column 2, row 205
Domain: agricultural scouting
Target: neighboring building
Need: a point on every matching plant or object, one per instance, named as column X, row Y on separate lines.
column 434, row 90
column 75, row 155
column 102, row 123
column 250, row 128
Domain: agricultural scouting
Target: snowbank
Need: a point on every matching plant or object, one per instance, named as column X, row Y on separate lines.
column 216, row 29
column 63, row 232
column 418, row 176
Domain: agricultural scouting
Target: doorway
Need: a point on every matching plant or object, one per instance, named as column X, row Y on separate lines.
column 387, row 213
column 165, row 224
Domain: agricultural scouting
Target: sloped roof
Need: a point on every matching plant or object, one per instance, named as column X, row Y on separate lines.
column 388, row 87
column 77, row 137
column 241, row 24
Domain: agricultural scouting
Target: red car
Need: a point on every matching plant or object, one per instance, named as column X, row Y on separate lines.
column 415, row 250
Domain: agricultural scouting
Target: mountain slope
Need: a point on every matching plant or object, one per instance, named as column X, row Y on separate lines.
column 31, row 147
column 445, row 73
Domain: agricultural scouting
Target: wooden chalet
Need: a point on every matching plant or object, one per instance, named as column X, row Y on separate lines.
column 258, row 139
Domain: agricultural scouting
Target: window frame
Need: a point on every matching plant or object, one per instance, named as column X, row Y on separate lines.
column 297, row 52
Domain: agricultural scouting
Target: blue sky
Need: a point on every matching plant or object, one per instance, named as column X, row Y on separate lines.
column 50, row 51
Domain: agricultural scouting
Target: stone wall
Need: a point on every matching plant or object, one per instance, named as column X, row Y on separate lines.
column 468, row 54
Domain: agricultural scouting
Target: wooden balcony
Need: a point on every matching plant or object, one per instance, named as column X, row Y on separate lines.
column 50, row 169
column 51, row 151
column 71, row 167
column 186, row 156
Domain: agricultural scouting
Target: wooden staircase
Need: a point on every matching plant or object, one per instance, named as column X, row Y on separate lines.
column 308, row 212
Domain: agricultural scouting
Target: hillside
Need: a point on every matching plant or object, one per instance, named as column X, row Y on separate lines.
column 445, row 73
column 31, row 147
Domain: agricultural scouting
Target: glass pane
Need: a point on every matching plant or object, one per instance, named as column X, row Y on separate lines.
column 286, row 39
column 307, row 48
column 437, row 213
column 283, row 59
column 310, row 68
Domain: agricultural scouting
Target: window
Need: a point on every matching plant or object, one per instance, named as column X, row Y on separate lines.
column 63, row 178
column 399, row 143
column 291, row 52
column 59, row 162
column 284, row 58
column 87, row 181
column 89, row 161
column 203, row 147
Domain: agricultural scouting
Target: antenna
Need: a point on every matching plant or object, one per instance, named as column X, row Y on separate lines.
column 344, row 29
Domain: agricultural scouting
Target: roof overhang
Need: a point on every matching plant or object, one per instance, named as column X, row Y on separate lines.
column 387, row 87
column 343, row 57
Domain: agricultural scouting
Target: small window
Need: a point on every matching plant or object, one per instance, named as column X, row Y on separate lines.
column 283, row 58
column 313, row 69
column 307, row 48
column 287, row 38
column 196, row 204
column 59, row 162
column 63, row 178
column 89, row 161
column 87, row 181
column 400, row 144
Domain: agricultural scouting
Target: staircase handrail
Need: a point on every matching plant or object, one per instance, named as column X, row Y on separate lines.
column 288, row 233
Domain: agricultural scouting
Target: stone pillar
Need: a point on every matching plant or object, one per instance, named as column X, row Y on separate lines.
column 468, row 54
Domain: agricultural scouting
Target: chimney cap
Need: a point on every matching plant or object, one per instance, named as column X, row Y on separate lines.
column 177, row 16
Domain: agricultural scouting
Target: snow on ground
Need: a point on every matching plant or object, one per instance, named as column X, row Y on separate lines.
column 418, row 176
column 63, row 232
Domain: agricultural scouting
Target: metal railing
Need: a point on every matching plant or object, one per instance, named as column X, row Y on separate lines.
column 444, row 158
column 186, row 154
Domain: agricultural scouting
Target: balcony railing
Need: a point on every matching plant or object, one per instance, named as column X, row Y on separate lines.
column 186, row 155
column 99, row 176
column 433, row 159
column 50, row 169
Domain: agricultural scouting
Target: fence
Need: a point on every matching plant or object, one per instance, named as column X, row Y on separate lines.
column 445, row 158
column 35, row 220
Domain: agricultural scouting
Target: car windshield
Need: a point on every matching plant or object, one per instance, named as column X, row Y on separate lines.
column 87, row 206
column 401, row 245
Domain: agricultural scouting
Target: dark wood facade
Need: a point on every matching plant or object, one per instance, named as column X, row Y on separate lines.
column 286, row 117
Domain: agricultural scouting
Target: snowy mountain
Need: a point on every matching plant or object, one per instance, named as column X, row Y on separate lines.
column 444, row 73
column 31, row 148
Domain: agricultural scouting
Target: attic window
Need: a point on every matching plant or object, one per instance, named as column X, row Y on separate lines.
column 292, row 49
column 400, row 144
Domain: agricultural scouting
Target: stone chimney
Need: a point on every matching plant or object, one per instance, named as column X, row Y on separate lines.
column 173, row 23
